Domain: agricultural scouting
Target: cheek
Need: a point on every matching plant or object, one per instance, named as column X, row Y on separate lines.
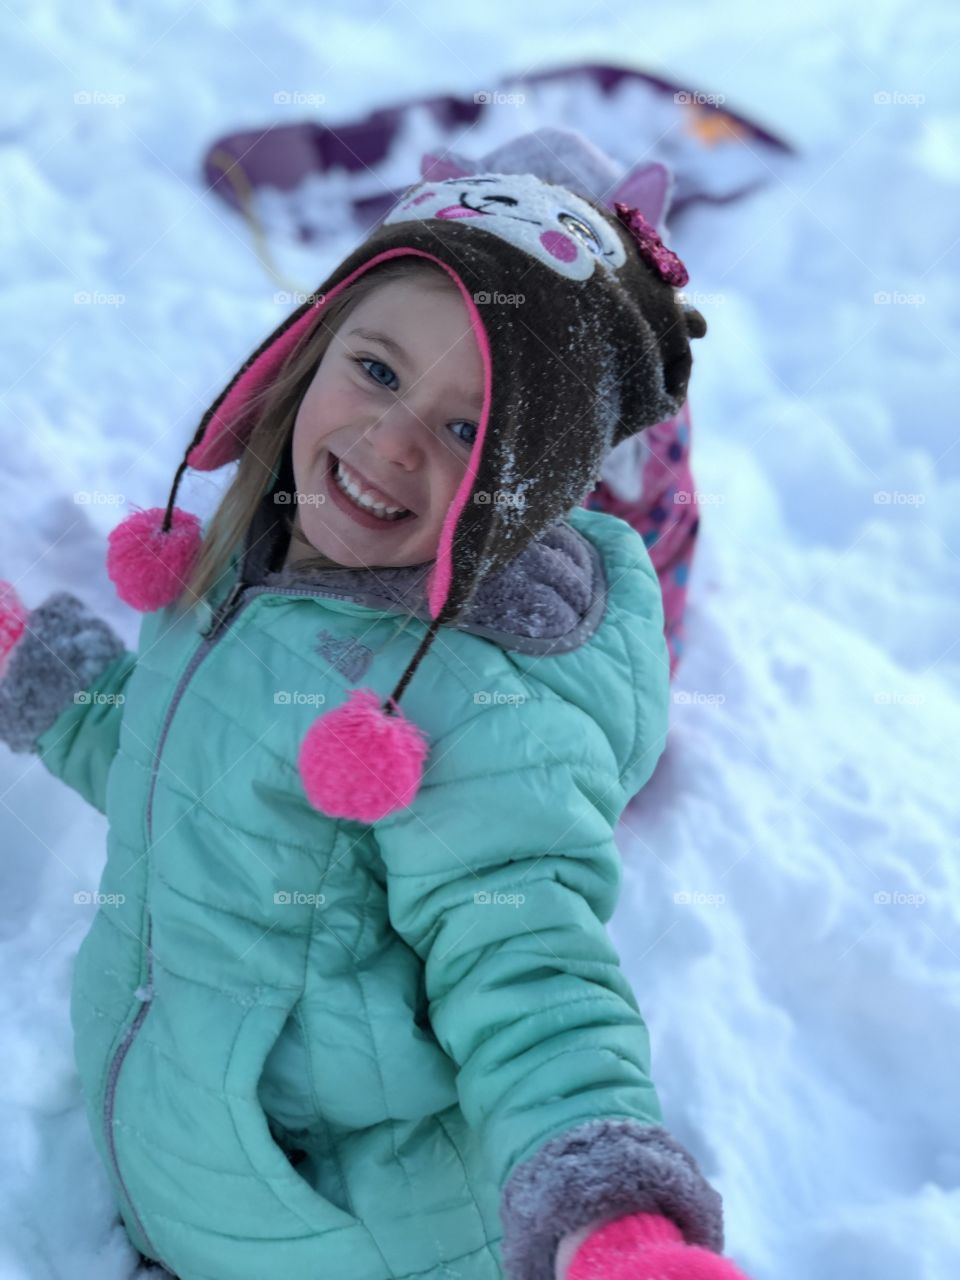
column 302, row 440
column 448, row 477
column 326, row 405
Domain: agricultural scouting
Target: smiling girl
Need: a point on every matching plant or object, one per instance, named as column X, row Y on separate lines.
column 355, row 1012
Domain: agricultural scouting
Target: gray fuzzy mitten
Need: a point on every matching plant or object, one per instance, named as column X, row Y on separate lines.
column 57, row 651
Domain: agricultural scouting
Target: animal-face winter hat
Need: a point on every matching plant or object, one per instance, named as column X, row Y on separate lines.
column 583, row 343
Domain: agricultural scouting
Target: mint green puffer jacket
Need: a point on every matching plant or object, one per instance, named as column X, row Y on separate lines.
column 312, row 1048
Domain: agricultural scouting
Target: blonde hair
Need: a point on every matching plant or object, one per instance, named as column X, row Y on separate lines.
column 277, row 406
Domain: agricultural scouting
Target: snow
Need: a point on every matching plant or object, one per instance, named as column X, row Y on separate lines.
column 789, row 916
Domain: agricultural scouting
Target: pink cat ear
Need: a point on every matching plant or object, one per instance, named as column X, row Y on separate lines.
column 648, row 188
column 434, row 168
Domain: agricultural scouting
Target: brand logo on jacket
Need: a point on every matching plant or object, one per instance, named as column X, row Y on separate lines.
column 348, row 656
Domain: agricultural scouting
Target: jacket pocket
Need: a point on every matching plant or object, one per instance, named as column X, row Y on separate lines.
column 314, row 1155
column 257, row 1035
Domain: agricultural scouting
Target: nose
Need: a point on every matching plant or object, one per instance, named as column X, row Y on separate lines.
column 399, row 436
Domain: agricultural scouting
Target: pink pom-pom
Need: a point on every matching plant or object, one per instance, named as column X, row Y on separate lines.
column 13, row 621
column 646, row 1244
column 359, row 762
column 149, row 567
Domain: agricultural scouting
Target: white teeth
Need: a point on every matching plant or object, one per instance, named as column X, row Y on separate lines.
column 369, row 504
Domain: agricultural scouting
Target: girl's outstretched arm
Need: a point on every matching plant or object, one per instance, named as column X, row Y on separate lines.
column 501, row 877
column 61, row 693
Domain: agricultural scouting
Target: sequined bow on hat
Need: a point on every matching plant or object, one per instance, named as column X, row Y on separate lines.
column 652, row 249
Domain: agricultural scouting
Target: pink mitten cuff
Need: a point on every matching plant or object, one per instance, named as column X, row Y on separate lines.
column 646, row 1246
column 13, row 620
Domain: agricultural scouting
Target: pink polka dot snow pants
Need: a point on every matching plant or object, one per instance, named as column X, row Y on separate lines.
column 665, row 516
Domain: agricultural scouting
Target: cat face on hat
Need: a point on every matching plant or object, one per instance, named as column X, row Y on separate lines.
column 550, row 223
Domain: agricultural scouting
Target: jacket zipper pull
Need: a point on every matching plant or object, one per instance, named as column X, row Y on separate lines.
column 223, row 612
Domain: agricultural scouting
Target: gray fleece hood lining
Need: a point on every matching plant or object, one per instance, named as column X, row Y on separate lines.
column 549, row 599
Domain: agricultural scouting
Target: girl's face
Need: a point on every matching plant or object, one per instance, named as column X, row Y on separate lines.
column 398, row 413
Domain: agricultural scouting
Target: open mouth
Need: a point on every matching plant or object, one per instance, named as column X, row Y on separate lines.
column 349, row 497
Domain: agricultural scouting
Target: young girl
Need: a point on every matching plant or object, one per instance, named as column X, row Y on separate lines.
column 348, row 1007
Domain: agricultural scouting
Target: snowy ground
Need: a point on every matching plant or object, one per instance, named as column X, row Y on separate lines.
column 802, row 990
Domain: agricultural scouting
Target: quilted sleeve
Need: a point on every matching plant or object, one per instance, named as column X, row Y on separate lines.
column 501, row 876
column 62, row 694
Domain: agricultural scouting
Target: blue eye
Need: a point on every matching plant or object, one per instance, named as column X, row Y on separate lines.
column 471, row 426
column 365, row 360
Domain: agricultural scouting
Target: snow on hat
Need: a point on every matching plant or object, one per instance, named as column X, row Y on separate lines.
column 583, row 343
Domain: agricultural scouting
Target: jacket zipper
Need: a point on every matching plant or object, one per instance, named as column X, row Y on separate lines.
column 239, row 596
